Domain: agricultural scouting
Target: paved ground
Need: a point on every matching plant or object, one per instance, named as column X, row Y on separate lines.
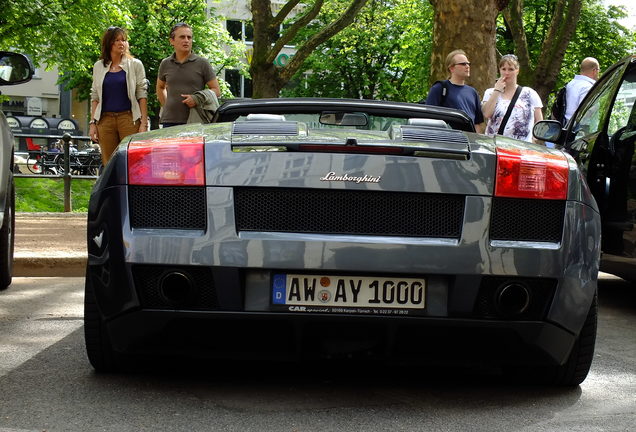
column 50, row 244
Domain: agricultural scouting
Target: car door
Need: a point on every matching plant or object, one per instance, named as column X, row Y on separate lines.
column 601, row 137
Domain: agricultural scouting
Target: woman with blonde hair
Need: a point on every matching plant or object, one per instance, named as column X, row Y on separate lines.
column 511, row 110
column 118, row 95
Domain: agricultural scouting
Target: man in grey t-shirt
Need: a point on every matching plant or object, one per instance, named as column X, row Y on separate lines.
column 180, row 75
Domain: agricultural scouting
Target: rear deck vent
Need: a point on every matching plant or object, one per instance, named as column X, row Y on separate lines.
column 433, row 135
column 265, row 128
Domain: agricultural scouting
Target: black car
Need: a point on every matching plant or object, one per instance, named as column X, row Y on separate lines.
column 601, row 137
column 14, row 69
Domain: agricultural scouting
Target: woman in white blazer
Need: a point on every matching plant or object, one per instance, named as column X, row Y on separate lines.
column 118, row 95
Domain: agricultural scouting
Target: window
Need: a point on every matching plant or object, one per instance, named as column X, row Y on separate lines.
column 623, row 104
column 591, row 117
column 240, row 30
column 239, row 85
column 235, row 29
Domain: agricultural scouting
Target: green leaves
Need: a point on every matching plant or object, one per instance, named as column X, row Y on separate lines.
column 384, row 54
column 67, row 33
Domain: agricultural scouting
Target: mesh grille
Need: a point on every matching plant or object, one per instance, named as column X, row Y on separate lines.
column 349, row 212
column 167, row 207
column 148, row 278
column 527, row 220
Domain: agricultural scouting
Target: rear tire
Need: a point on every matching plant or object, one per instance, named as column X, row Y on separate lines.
column 576, row 368
column 574, row 371
column 98, row 346
column 7, row 239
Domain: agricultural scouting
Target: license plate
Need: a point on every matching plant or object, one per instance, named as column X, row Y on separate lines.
column 348, row 291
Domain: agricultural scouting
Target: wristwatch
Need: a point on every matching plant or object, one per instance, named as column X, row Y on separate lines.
column 93, row 122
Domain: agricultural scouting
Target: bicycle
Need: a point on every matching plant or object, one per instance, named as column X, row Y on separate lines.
column 42, row 162
column 80, row 162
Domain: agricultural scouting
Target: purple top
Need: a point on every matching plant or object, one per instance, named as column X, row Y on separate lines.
column 115, row 92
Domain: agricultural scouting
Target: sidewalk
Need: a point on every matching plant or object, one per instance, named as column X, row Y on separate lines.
column 50, row 244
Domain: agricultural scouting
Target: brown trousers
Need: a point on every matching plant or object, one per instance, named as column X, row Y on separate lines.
column 112, row 128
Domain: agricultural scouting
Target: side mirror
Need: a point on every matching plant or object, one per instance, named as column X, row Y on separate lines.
column 547, row 130
column 15, row 68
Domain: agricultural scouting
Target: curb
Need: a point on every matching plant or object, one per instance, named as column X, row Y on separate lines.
column 47, row 266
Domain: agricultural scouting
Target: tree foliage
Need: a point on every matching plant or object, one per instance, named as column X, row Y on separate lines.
column 363, row 61
column 269, row 38
column 58, row 32
column 547, row 63
column 383, row 55
column 67, row 33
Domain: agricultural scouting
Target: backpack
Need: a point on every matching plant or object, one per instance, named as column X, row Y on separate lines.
column 559, row 106
column 444, row 84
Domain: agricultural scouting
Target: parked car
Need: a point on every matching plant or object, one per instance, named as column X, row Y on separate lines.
column 601, row 136
column 319, row 228
column 14, row 69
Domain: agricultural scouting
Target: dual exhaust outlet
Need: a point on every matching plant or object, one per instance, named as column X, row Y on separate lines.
column 176, row 288
column 512, row 299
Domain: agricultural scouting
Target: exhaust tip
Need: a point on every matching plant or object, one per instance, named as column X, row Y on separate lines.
column 512, row 299
column 176, row 288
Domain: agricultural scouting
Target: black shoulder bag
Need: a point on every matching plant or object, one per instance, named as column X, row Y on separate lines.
column 510, row 108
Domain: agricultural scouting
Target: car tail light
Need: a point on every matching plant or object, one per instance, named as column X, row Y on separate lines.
column 524, row 173
column 167, row 161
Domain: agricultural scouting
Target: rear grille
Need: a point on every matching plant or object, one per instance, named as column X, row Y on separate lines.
column 148, row 283
column 527, row 220
column 167, row 207
column 349, row 212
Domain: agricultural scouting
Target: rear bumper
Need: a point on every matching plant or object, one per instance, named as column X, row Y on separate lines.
column 285, row 336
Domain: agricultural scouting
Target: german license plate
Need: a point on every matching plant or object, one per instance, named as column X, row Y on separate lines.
column 348, row 291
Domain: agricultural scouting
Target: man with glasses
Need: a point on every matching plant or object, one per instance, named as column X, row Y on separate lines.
column 455, row 93
column 576, row 89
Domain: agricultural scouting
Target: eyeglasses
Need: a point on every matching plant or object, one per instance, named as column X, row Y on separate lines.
column 462, row 63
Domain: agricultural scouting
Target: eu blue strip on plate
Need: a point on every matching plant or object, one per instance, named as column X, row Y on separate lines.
column 278, row 289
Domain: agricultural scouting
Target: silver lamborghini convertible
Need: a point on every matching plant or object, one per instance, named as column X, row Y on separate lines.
column 319, row 228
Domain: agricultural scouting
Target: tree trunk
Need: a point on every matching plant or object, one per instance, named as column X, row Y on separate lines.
column 267, row 79
column 469, row 25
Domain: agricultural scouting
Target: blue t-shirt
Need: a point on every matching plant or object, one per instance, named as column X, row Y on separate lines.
column 462, row 97
column 115, row 92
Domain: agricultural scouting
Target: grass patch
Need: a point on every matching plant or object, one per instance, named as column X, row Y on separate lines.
column 47, row 195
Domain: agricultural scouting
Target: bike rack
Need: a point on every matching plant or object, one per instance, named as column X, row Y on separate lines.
column 66, row 175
